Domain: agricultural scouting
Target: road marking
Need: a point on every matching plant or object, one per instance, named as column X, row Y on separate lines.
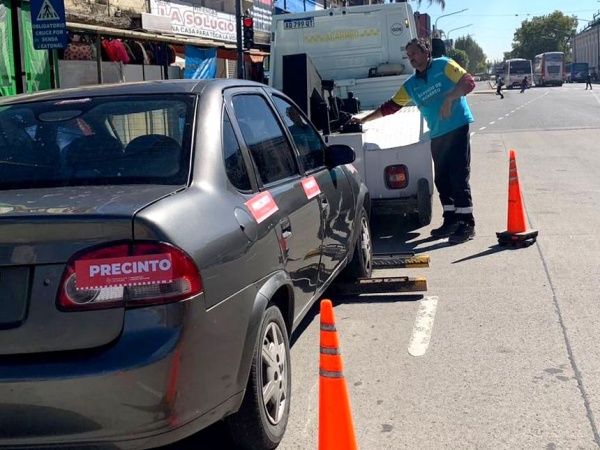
column 482, row 128
column 421, row 335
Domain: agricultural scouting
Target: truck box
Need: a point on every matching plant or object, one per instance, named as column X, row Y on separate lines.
column 361, row 51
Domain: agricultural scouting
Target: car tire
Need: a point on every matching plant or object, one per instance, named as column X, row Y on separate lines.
column 361, row 265
column 424, row 203
column 260, row 424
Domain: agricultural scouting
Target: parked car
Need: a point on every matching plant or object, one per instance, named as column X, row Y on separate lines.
column 159, row 243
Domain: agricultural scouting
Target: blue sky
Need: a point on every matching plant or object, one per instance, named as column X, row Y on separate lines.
column 494, row 22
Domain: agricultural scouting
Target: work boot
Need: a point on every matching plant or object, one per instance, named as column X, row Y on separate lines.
column 465, row 231
column 448, row 227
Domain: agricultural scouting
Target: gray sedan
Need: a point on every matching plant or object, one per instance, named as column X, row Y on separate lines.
column 159, row 242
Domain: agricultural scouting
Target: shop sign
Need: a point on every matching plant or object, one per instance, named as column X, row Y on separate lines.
column 262, row 12
column 197, row 21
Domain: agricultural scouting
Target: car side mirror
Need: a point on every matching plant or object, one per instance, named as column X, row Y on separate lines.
column 339, row 154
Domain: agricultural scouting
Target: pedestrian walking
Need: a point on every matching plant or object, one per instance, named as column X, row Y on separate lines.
column 499, row 84
column 439, row 87
column 524, row 85
column 588, row 81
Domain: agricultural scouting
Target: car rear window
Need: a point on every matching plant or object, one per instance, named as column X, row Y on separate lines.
column 104, row 140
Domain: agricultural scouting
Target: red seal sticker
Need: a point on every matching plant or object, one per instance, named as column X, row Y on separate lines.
column 124, row 271
column 311, row 187
column 262, row 206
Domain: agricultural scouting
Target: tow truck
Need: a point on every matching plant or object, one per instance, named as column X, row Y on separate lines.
column 349, row 60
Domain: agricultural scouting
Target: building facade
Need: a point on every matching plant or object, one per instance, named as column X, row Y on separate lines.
column 586, row 47
column 129, row 40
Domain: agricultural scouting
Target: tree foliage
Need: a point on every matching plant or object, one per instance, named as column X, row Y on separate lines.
column 550, row 33
column 460, row 56
column 476, row 59
column 442, row 3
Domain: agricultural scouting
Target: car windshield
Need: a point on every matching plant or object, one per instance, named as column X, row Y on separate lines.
column 96, row 140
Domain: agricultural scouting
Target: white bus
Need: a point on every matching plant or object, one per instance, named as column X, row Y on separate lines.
column 515, row 70
column 549, row 69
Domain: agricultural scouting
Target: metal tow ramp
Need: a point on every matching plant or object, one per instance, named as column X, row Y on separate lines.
column 399, row 260
column 388, row 285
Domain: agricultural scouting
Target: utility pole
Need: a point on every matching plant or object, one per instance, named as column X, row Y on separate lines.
column 238, row 39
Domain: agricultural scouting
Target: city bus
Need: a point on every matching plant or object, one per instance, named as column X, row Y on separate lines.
column 577, row 72
column 549, row 68
column 515, row 70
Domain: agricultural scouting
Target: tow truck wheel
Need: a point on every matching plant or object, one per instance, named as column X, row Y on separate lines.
column 424, row 203
column 262, row 419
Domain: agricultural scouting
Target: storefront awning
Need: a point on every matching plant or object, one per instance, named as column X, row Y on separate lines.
column 147, row 36
column 256, row 56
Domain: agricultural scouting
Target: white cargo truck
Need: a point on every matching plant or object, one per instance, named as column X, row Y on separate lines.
column 361, row 51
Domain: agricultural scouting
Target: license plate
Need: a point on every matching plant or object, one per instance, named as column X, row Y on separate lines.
column 14, row 295
column 293, row 24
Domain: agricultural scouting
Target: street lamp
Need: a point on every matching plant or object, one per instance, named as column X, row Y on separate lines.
column 454, row 29
column 444, row 15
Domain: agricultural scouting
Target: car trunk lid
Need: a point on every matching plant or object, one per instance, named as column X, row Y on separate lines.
column 41, row 230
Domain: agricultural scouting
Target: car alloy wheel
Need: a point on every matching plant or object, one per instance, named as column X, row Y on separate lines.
column 361, row 264
column 262, row 418
column 274, row 371
column 366, row 246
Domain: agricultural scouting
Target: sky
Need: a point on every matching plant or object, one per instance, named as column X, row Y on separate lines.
column 492, row 24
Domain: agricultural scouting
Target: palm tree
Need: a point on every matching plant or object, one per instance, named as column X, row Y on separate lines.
column 442, row 3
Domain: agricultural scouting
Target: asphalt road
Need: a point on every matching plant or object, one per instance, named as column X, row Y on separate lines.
column 513, row 360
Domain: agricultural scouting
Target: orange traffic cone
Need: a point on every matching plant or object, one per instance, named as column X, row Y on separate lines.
column 336, row 430
column 516, row 234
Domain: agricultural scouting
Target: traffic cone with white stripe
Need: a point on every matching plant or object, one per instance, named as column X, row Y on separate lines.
column 336, row 430
column 516, row 234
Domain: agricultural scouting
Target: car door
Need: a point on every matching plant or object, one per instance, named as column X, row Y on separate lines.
column 336, row 198
column 297, row 219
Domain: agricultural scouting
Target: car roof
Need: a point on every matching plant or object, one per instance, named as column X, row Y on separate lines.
column 132, row 88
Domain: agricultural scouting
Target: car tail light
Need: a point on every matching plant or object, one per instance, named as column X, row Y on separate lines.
column 396, row 177
column 184, row 280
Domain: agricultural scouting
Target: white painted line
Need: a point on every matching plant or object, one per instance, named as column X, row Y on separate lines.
column 421, row 335
column 472, row 133
column 482, row 128
column 493, row 122
column 500, row 118
column 506, row 115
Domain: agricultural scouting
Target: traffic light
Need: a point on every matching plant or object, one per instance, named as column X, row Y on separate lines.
column 248, row 25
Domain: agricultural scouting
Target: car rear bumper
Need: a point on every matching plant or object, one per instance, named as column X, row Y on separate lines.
column 151, row 387
column 393, row 206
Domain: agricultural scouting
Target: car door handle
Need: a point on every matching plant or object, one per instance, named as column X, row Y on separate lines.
column 286, row 227
column 324, row 204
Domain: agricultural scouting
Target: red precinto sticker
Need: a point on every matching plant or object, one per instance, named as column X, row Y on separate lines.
column 262, row 206
column 124, row 271
column 311, row 187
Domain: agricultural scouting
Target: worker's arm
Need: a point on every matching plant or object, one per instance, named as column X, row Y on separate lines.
column 464, row 83
column 393, row 105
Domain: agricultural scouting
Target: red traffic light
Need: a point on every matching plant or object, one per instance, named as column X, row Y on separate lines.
column 248, row 22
